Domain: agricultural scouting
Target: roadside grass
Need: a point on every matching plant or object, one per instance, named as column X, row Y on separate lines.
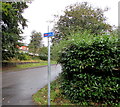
column 40, row 63
column 35, row 63
column 41, row 96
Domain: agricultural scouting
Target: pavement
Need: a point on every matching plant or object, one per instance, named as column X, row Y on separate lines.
column 18, row 87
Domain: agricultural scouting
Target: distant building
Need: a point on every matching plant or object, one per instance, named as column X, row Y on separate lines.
column 24, row 49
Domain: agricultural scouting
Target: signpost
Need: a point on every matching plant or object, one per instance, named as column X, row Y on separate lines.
column 49, row 34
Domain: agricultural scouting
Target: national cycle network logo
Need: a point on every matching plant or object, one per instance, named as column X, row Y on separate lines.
column 16, row 0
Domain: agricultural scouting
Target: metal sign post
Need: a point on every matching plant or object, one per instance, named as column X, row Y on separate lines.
column 49, row 68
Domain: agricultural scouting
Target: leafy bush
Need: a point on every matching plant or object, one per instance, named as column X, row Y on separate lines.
column 57, row 48
column 91, row 69
column 23, row 56
column 43, row 57
column 43, row 53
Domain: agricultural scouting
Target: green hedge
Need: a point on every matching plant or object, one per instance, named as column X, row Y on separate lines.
column 91, row 70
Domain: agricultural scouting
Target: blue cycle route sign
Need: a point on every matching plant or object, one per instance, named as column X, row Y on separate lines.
column 49, row 34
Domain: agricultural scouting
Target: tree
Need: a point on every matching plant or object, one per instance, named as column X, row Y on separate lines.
column 35, row 42
column 81, row 17
column 11, row 20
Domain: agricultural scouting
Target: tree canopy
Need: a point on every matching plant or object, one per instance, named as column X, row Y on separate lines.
column 11, row 20
column 35, row 42
column 81, row 17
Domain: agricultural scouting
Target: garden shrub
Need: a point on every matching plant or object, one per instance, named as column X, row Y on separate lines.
column 43, row 57
column 23, row 56
column 43, row 54
column 91, row 70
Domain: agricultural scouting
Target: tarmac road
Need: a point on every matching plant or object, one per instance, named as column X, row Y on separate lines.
column 18, row 87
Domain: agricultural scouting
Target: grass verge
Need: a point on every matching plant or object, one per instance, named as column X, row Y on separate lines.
column 40, row 63
column 41, row 96
column 29, row 65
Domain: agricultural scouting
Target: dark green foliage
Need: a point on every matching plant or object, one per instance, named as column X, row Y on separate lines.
column 11, row 20
column 35, row 58
column 23, row 56
column 43, row 57
column 43, row 53
column 91, row 71
column 81, row 17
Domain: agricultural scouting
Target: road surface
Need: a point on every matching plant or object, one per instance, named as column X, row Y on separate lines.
column 18, row 87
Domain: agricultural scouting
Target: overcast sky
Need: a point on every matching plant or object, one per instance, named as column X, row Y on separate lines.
column 40, row 12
